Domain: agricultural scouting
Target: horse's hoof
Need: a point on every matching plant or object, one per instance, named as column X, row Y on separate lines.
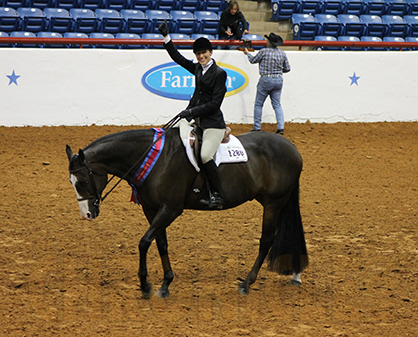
column 147, row 291
column 243, row 289
column 295, row 283
column 163, row 293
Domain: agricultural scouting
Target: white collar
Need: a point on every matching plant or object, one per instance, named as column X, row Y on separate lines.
column 206, row 67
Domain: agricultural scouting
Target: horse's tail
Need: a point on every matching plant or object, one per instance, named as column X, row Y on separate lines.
column 288, row 253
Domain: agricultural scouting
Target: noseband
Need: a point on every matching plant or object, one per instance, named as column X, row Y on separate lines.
column 97, row 198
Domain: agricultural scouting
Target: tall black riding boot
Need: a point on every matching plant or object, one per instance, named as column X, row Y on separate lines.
column 215, row 199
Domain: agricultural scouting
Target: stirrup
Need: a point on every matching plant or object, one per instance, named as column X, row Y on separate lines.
column 215, row 201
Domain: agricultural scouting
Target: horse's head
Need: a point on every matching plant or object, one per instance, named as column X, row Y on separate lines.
column 88, row 184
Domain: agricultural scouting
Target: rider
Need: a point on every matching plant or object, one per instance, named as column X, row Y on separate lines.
column 204, row 107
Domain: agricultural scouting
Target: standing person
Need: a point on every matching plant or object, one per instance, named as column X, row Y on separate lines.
column 204, row 107
column 229, row 24
column 273, row 63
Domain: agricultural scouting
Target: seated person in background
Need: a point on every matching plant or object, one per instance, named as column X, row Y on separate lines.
column 230, row 23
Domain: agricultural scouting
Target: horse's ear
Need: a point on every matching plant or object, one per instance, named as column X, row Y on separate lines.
column 81, row 155
column 69, row 152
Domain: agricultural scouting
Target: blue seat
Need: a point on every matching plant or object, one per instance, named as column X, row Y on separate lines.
column 5, row 45
column 310, row 7
column 67, row 4
column 9, row 19
column 178, row 36
column 374, row 7
column 253, row 37
column 374, row 25
column 117, row 5
column 143, row 5
column 97, row 35
column 129, row 36
column 215, row 5
column 110, row 21
column 91, row 4
column 334, row 7
column 373, row 39
column 58, row 20
column 84, row 20
column 350, row 39
column 32, row 19
column 26, row 35
column 208, row 22
column 50, row 35
column 353, row 7
column 168, row 5
column 351, row 25
column 304, row 27
column 155, row 18
column 207, row 36
column 183, row 22
column 325, row 38
column 14, row 3
column 75, row 35
column 411, row 39
column 153, row 36
column 412, row 22
column 396, row 7
column 192, row 5
column 136, row 21
column 284, row 9
column 42, row 4
column 329, row 25
column 393, row 39
column 396, row 26
column 412, row 7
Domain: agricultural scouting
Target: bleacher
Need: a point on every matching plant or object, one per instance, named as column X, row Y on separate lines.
column 127, row 19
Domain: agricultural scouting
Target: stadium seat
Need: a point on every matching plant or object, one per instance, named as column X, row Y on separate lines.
column 192, row 5
column 25, row 44
column 129, row 36
column 183, row 22
column 75, row 35
column 334, row 7
column 372, row 39
column 254, row 37
column 310, row 7
column 50, row 35
column 374, row 7
column 42, row 4
column 412, row 7
column 411, row 39
column 168, row 5
column 207, row 36
column 396, row 7
column 135, row 21
column 393, row 39
column 117, row 5
column 351, row 25
column 91, row 4
column 374, row 25
column 103, row 36
column 67, row 4
column 208, row 22
column 177, row 36
column 5, row 45
column 304, row 26
column 143, row 5
column 32, row 19
column 412, row 22
column 350, row 39
column 325, row 38
column 215, row 5
column 84, row 20
column 329, row 25
column 396, row 26
column 110, row 21
column 153, row 36
column 284, row 9
column 353, row 7
column 9, row 19
column 58, row 20
column 155, row 17
column 14, row 3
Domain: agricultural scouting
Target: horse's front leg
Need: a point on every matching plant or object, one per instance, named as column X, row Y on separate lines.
column 162, row 245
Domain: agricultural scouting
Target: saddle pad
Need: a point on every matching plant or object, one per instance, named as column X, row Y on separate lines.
column 231, row 152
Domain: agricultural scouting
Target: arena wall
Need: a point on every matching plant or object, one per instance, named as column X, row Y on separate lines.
column 102, row 86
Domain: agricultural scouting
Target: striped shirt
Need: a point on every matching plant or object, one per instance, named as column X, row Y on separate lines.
column 272, row 61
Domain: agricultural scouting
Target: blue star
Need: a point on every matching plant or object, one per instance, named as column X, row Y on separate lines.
column 354, row 79
column 13, row 78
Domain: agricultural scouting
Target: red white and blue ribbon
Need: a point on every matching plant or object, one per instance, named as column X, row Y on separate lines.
column 148, row 164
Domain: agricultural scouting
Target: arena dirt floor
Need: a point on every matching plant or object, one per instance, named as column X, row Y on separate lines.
column 63, row 276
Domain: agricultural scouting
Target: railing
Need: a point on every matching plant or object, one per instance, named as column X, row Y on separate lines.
column 215, row 43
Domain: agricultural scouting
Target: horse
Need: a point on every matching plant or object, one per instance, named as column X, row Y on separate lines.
column 270, row 175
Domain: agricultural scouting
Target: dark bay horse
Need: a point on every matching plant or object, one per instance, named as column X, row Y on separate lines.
column 271, row 176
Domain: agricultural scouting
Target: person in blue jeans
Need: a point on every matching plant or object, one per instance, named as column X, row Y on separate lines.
column 273, row 63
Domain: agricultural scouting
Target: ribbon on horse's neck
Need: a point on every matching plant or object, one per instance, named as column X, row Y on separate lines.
column 166, row 127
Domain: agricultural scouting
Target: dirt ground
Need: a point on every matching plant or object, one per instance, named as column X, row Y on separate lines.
column 63, row 276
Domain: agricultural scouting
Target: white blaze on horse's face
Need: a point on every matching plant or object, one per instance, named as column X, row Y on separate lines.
column 84, row 206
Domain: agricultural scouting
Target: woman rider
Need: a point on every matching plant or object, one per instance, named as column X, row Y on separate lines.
column 204, row 107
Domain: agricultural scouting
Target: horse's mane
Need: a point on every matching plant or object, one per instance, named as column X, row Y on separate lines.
column 120, row 136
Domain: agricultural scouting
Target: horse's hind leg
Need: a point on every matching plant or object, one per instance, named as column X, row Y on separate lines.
column 162, row 245
column 269, row 224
